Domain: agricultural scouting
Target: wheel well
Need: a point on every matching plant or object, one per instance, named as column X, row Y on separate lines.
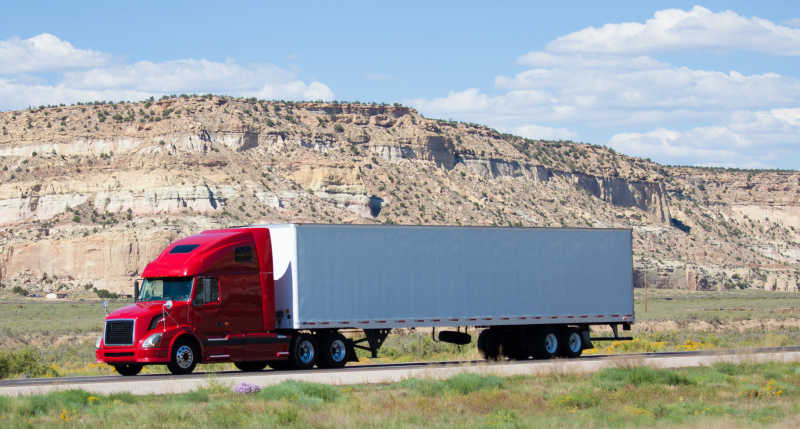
column 189, row 338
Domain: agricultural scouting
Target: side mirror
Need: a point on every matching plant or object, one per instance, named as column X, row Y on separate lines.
column 135, row 290
column 168, row 305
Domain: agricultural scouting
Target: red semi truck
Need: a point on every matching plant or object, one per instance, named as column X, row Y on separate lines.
column 282, row 295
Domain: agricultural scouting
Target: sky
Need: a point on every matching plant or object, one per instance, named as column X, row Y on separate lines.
column 713, row 83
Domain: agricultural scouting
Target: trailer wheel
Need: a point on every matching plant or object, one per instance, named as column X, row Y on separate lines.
column 303, row 353
column 489, row 344
column 333, row 351
column 572, row 343
column 128, row 368
column 547, row 343
column 185, row 356
column 251, row 366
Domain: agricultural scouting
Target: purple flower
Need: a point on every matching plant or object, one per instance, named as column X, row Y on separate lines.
column 245, row 387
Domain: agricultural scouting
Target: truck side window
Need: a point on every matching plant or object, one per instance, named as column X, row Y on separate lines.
column 243, row 254
column 207, row 291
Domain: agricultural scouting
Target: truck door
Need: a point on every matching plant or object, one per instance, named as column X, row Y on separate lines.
column 206, row 318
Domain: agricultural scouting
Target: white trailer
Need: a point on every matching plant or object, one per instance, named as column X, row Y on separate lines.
column 537, row 289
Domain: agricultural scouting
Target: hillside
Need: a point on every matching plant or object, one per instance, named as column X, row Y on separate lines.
column 90, row 193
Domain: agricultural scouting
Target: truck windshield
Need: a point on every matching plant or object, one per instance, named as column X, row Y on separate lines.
column 175, row 288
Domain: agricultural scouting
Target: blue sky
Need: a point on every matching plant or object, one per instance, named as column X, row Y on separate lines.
column 711, row 83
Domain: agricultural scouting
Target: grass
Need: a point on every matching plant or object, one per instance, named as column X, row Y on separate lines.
column 723, row 395
column 715, row 306
column 62, row 333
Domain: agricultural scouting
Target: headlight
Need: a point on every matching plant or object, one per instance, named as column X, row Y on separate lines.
column 97, row 343
column 152, row 341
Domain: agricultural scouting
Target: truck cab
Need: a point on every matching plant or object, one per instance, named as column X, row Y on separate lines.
column 206, row 298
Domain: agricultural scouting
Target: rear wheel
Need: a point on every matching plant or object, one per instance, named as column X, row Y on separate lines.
column 251, row 366
column 128, row 368
column 333, row 351
column 489, row 344
column 303, row 353
column 185, row 356
column 547, row 343
column 572, row 343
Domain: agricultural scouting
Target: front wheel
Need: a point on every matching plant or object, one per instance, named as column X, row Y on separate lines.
column 185, row 356
column 251, row 366
column 128, row 368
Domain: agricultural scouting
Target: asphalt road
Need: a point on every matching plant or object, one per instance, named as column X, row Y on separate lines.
column 362, row 374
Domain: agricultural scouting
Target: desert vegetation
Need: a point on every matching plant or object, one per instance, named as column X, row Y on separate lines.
column 723, row 395
column 46, row 338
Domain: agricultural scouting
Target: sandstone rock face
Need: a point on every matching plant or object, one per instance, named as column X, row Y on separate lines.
column 87, row 199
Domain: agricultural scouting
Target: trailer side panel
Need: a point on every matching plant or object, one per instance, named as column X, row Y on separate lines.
column 373, row 276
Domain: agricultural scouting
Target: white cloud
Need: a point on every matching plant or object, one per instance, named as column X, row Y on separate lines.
column 747, row 139
column 45, row 52
column 598, row 79
column 15, row 95
column 94, row 80
column 533, row 131
column 199, row 76
column 673, row 29
column 612, row 91
column 793, row 22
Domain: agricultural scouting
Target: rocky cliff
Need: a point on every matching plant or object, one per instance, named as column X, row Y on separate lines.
column 90, row 193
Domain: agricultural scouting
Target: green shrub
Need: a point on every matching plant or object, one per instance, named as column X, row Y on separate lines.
column 37, row 405
column 25, row 361
column 19, row 291
column 615, row 378
column 338, row 128
column 103, row 293
column 461, row 384
column 302, row 392
column 468, row 383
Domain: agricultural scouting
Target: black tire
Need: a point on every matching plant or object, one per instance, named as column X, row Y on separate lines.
column 514, row 344
column 333, row 351
column 128, row 368
column 280, row 365
column 303, row 352
column 571, row 343
column 489, row 344
column 184, row 357
column 546, row 343
column 251, row 366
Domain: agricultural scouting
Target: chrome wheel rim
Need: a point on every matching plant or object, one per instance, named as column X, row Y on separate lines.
column 338, row 350
column 574, row 342
column 184, row 356
column 305, row 351
column 550, row 343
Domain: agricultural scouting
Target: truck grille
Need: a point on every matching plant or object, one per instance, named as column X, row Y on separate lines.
column 119, row 333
